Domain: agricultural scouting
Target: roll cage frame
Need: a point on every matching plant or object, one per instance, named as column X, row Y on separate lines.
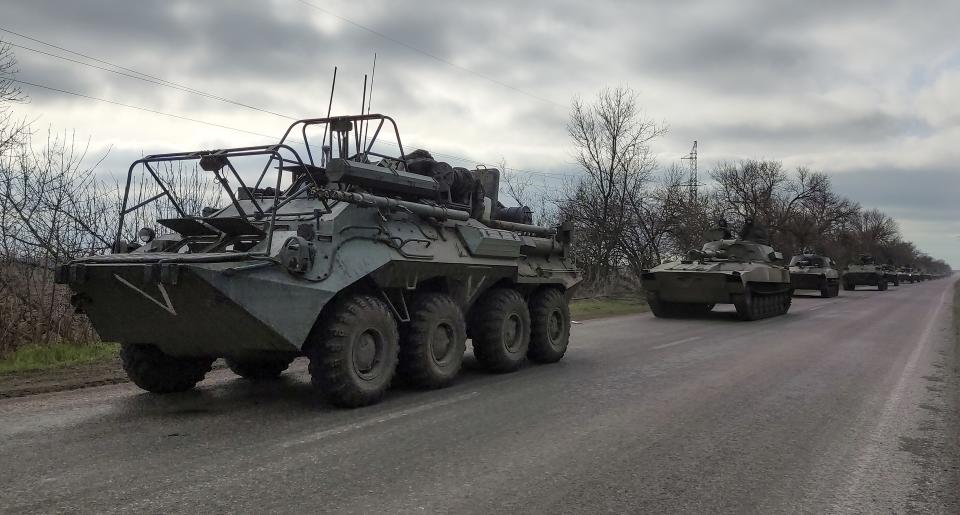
column 306, row 172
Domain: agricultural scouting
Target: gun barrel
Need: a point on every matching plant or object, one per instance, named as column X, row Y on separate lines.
column 389, row 203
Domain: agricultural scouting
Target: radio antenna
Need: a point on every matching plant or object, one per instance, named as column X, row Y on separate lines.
column 366, row 129
column 363, row 104
column 323, row 141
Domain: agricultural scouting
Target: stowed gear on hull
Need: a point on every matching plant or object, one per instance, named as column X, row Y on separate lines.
column 371, row 265
column 738, row 271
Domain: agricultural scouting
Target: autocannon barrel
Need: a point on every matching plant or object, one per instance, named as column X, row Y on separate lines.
column 389, row 203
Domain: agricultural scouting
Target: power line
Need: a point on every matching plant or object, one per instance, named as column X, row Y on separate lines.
column 139, row 108
column 430, row 55
column 159, row 81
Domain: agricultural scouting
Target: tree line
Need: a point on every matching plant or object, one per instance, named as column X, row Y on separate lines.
column 630, row 214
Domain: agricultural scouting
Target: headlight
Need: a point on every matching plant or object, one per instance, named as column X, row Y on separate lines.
column 146, row 234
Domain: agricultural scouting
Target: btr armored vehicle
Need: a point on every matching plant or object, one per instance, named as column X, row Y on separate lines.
column 864, row 273
column 727, row 270
column 370, row 262
column 815, row 272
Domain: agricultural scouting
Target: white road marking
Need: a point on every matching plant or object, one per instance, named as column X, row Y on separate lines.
column 678, row 342
column 320, row 435
column 867, row 461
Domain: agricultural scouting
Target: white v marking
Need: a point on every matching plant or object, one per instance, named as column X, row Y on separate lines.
column 166, row 305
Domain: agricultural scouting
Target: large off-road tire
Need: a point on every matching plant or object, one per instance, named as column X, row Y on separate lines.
column 353, row 351
column 882, row 285
column 835, row 289
column 549, row 326
column 149, row 368
column 849, row 286
column 896, row 282
column 500, row 325
column 825, row 290
column 432, row 343
column 259, row 369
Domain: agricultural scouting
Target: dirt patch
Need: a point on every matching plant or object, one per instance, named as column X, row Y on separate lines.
column 71, row 377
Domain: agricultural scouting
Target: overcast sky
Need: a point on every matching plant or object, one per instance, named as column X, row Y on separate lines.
column 867, row 91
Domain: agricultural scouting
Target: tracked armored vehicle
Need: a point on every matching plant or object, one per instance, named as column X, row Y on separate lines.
column 814, row 272
column 864, row 273
column 372, row 264
column 738, row 271
column 905, row 275
column 890, row 273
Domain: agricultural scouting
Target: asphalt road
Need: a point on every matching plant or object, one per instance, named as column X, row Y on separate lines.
column 844, row 405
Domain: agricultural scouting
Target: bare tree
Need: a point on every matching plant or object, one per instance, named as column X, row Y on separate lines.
column 611, row 138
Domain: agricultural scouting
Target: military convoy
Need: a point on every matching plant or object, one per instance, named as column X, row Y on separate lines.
column 727, row 270
column 372, row 265
column 815, row 272
column 378, row 266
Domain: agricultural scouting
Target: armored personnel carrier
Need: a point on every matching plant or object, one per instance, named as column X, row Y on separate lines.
column 371, row 264
column 890, row 273
column 815, row 272
column 864, row 273
column 727, row 270
column 905, row 275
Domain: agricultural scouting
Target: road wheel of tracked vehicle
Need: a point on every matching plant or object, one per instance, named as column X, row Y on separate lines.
column 549, row 326
column 433, row 342
column 353, row 353
column 501, row 330
column 258, row 369
column 149, row 368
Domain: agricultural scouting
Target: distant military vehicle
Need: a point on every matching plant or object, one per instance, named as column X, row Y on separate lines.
column 370, row 264
column 905, row 274
column 891, row 274
column 864, row 273
column 727, row 270
column 815, row 272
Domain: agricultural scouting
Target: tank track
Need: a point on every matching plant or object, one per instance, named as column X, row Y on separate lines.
column 758, row 304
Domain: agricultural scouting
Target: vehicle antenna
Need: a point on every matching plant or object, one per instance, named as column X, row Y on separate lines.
column 366, row 125
column 363, row 105
column 323, row 140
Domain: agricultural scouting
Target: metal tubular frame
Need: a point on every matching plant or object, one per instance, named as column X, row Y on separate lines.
column 275, row 152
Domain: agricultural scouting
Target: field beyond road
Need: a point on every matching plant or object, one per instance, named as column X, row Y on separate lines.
column 844, row 405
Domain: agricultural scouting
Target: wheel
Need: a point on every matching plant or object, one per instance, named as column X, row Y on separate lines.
column 835, row 290
column 549, row 326
column 825, row 290
column 353, row 353
column 149, row 368
column 259, row 369
column 882, row 285
column 501, row 330
column 432, row 343
column 896, row 282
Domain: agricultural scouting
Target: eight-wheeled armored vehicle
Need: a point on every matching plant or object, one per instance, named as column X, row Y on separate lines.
column 371, row 262
column 738, row 271
column 815, row 272
column 866, row 272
